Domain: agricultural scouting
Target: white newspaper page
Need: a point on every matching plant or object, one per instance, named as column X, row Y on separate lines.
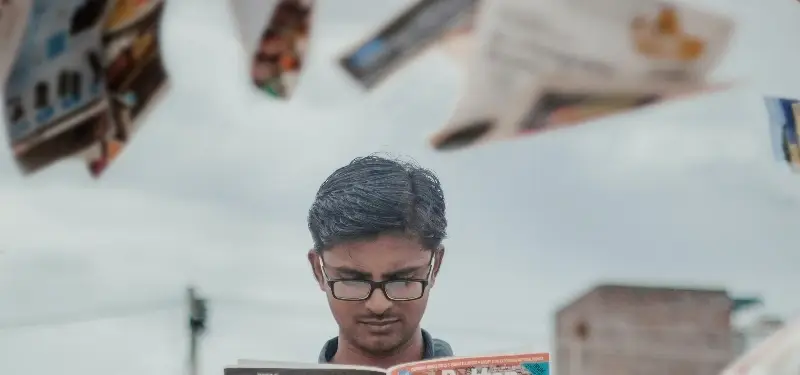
column 778, row 354
column 523, row 42
column 84, row 75
column 275, row 37
column 252, row 367
column 397, row 42
column 561, row 101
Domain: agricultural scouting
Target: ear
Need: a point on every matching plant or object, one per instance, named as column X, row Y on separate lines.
column 438, row 258
column 313, row 261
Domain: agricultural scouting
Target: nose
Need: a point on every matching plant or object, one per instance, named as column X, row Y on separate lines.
column 378, row 303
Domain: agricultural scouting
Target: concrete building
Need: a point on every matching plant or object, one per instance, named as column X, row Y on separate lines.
column 637, row 330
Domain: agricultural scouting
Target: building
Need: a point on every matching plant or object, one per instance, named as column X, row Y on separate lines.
column 637, row 330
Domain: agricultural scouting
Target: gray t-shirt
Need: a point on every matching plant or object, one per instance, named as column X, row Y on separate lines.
column 432, row 348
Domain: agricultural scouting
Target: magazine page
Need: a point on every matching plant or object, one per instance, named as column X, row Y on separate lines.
column 565, row 100
column 275, row 35
column 521, row 41
column 66, row 95
column 13, row 20
column 507, row 364
column 134, row 74
column 411, row 31
column 254, row 367
column 783, row 116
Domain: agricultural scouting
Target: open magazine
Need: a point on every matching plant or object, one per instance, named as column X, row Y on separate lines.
column 607, row 56
column 507, row 364
column 82, row 77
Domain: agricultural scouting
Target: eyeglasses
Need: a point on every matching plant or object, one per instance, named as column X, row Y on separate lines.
column 393, row 290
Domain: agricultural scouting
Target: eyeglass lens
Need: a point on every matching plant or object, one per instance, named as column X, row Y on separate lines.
column 397, row 290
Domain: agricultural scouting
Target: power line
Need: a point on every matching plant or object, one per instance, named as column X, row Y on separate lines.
column 86, row 317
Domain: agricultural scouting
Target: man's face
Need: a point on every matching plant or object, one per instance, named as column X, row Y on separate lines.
column 377, row 325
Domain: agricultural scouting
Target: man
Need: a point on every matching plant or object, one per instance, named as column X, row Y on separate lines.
column 378, row 226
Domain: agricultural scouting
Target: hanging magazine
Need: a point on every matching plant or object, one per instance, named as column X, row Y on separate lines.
column 446, row 23
column 510, row 364
column 84, row 75
column 275, row 35
column 541, row 64
column 784, row 115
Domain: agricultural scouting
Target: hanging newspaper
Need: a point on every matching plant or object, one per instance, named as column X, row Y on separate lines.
column 397, row 42
column 275, row 35
column 510, row 364
column 784, row 115
column 84, row 76
column 541, row 64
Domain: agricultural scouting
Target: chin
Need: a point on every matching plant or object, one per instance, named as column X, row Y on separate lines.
column 381, row 343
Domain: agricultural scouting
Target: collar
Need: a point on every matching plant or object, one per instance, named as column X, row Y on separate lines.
column 431, row 348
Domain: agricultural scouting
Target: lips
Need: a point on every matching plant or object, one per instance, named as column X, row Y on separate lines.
column 379, row 326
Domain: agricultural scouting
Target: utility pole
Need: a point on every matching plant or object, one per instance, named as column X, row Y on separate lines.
column 197, row 325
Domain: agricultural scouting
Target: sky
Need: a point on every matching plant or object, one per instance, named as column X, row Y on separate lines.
column 215, row 189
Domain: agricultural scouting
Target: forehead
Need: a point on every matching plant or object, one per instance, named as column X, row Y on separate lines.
column 381, row 254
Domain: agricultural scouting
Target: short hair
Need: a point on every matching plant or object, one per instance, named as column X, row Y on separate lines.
column 376, row 195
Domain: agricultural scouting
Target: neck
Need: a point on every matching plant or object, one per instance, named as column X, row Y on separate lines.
column 349, row 354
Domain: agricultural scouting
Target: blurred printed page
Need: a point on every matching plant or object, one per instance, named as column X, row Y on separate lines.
column 410, row 32
column 85, row 74
column 521, row 43
column 275, row 35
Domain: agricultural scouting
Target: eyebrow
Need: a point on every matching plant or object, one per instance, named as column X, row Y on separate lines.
column 362, row 274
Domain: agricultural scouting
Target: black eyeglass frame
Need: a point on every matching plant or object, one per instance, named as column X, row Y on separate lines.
column 380, row 284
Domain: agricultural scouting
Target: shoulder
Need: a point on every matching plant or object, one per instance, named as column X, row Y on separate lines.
column 435, row 348
column 441, row 348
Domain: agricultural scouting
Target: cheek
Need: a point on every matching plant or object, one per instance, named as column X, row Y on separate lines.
column 343, row 312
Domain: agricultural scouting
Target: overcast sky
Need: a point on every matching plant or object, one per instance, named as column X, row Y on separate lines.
column 215, row 190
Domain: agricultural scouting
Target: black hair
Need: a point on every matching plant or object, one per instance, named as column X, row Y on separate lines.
column 375, row 195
